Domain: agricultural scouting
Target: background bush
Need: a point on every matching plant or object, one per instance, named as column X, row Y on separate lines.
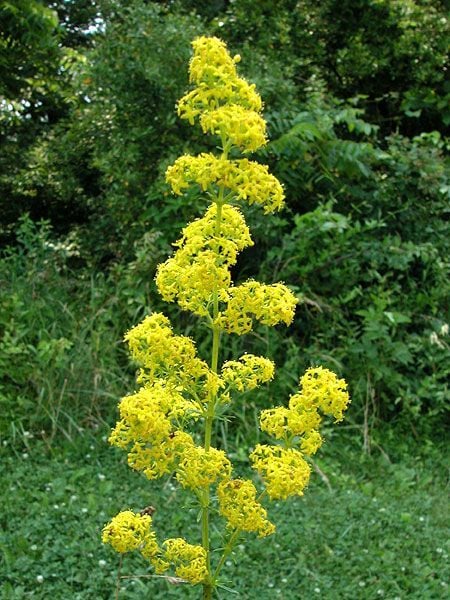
column 356, row 97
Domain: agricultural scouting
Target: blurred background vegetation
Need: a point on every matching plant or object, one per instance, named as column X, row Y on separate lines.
column 357, row 98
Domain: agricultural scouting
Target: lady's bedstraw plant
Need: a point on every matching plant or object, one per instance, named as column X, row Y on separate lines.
column 180, row 394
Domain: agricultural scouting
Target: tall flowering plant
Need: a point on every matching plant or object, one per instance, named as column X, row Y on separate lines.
column 166, row 426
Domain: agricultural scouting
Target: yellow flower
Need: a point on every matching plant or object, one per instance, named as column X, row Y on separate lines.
column 156, row 460
column 214, row 72
column 311, row 442
column 284, row 470
column 148, row 414
column 246, row 129
column 238, row 504
column 200, row 468
column 245, row 179
column 153, row 345
column 128, row 531
column 248, row 372
column 189, row 560
column 274, row 422
column 202, row 235
column 199, row 269
column 211, row 60
column 193, row 285
column 269, row 304
column 301, row 417
column 321, row 387
column 177, row 386
column 321, row 391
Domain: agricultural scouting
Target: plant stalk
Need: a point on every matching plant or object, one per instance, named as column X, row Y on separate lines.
column 208, row 586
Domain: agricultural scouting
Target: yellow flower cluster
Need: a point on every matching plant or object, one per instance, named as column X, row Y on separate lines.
column 146, row 415
column 153, row 345
column 201, row 236
column 311, row 442
column 211, row 62
column 322, row 391
column 284, row 470
column 129, row 531
column 200, row 267
column 247, row 373
column 148, row 421
column 197, row 276
column 200, row 468
column 189, row 560
column 226, row 103
column 193, row 285
column 238, row 504
column 156, row 460
column 244, row 128
column 274, row 422
column 269, row 304
column 246, row 179
column 177, row 387
column 282, row 423
column 322, row 388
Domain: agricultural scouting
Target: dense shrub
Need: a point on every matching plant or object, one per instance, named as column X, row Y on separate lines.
column 355, row 99
column 60, row 340
column 374, row 280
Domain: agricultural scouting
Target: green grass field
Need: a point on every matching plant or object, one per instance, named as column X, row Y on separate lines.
column 367, row 527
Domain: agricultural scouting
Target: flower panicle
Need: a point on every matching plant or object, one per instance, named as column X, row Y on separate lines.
column 178, row 392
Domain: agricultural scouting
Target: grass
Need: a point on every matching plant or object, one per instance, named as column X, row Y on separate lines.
column 372, row 527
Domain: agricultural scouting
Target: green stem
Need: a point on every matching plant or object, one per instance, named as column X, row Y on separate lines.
column 118, row 577
column 207, row 592
column 228, row 548
column 208, row 586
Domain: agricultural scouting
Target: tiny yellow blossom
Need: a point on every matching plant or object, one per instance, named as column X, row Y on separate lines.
column 298, row 424
column 211, row 60
column 201, row 235
column 214, row 72
column 300, row 418
column 274, row 422
column 311, row 442
column 199, row 269
column 154, row 346
column 246, row 129
column 193, row 285
column 148, row 415
column 322, row 388
column 156, row 460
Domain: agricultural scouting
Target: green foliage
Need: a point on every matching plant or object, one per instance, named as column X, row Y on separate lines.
column 28, row 47
column 392, row 52
column 130, row 82
column 370, row 262
column 357, row 102
column 59, row 351
column 356, row 98
column 375, row 284
column 323, row 149
column 35, row 84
